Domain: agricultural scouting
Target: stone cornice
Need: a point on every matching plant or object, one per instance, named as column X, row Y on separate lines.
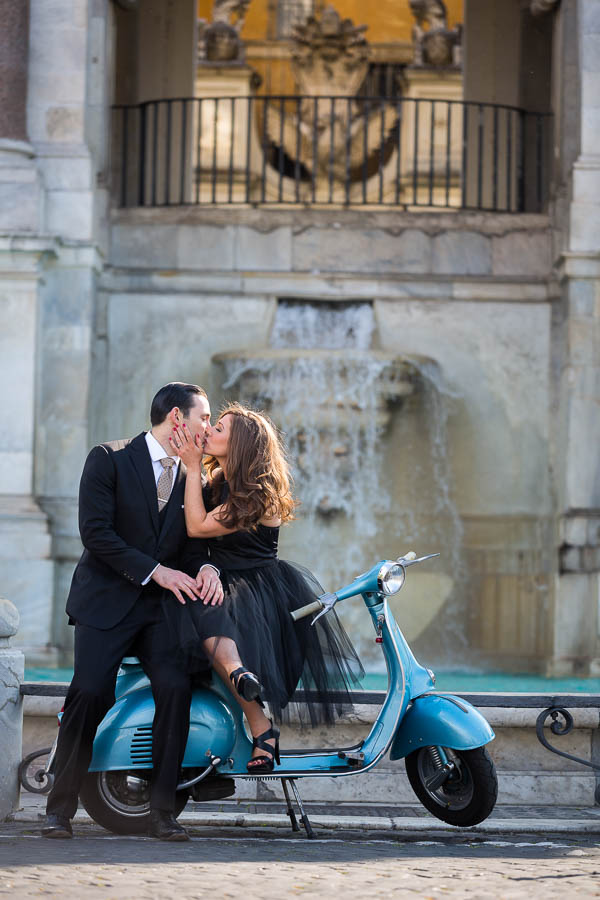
column 25, row 254
column 578, row 265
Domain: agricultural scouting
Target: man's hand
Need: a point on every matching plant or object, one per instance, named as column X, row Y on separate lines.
column 210, row 587
column 177, row 582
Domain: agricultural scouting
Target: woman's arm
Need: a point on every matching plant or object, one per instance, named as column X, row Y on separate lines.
column 209, row 526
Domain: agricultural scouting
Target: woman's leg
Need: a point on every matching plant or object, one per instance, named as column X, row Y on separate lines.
column 225, row 659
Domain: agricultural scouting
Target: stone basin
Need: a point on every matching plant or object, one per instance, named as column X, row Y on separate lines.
column 328, row 381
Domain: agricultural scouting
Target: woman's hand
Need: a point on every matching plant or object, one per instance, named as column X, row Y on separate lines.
column 188, row 449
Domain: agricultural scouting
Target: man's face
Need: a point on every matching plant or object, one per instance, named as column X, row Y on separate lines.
column 198, row 418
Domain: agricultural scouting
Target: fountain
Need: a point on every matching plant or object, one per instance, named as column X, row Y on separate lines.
column 335, row 397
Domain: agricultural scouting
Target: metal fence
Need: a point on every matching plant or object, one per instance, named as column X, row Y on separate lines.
column 331, row 151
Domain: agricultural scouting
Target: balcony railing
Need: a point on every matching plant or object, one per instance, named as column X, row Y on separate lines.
column 331, row 151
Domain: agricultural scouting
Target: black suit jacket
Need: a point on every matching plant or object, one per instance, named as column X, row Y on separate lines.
column 122, row 535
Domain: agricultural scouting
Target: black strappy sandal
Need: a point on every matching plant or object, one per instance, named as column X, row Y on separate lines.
column 262, row 765
column 247, row 685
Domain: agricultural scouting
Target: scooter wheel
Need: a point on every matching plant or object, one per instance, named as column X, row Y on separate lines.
column 120, row 801
column 32, row 772
column 469, row 793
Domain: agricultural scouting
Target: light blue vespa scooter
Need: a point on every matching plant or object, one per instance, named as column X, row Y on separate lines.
column 441, row 737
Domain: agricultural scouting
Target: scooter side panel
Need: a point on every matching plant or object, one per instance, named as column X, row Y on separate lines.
column 124, row 737
column 440, row 721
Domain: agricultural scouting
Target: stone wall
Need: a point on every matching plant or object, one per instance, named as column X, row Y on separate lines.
column 473, row 293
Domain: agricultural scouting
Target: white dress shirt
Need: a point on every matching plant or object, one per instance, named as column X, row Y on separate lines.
column 158, row 452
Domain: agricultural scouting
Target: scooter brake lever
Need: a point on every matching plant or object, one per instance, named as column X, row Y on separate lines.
column 403, row 561
column 328, row 601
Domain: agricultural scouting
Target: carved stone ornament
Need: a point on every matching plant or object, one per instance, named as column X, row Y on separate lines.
column 219, row 40
column 434, row 45
column 330, row 59
column 330, row 55
column 540, row 7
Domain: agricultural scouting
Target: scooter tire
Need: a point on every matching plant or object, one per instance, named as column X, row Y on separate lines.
column 34, row 778
column 110, row 810
column 464, row 800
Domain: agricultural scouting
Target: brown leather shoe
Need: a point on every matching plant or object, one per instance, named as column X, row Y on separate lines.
column 165, row 827
column 57, row 827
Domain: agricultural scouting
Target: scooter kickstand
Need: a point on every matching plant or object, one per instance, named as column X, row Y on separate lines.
column 290, row 808
column 303, row 817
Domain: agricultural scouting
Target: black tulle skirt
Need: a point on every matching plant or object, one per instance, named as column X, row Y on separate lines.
column 286, row 656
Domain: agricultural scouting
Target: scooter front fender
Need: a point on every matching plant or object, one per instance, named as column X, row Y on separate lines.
column 124, row 737
column 441, row 721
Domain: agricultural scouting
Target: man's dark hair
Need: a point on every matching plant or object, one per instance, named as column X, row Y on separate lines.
column 174, row 394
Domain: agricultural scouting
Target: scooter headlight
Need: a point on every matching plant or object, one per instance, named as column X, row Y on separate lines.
column 390, row 578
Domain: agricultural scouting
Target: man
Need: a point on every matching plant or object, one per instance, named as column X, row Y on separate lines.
column 132, row 527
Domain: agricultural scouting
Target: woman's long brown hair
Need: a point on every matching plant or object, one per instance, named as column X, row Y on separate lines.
column 257, row 471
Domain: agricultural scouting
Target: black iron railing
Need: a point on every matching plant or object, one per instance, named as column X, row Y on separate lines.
column 331, row 151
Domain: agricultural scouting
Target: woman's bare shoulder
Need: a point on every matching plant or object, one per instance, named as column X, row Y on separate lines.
column 271, row 521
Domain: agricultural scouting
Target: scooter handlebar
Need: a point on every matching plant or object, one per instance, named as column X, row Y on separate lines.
column 310, row 608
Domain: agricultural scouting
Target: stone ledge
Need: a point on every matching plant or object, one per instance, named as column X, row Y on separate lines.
column 267, row 220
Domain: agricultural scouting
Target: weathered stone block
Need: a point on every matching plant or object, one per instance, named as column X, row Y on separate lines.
column 366, row 250
column 151, row 246
column 205, row 247
column 575, row 618
column 461, row 253
column 582, row 298
column 585, row 217
column 70, row 214
column 66, row 173
column 263, row 250
column 581, row 342
column 522, row 253
column 64, row 123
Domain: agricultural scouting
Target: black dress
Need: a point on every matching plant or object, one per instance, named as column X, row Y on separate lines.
column 260, row 592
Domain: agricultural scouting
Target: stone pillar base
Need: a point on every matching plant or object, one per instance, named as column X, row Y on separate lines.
column 27, row 574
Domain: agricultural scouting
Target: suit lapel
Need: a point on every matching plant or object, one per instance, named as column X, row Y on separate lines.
column 145, row 473
column 175, row 500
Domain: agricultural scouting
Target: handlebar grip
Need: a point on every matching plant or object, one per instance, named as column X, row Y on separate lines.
column 314, row 607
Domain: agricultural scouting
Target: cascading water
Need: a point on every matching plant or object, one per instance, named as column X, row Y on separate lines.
column 332, row 396
column 328, row 394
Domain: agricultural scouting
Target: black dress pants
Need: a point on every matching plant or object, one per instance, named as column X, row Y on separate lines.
column 143, row 633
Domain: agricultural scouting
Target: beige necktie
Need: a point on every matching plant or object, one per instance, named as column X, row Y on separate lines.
column 165, row 482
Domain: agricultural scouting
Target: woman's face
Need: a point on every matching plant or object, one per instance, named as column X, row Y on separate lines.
column 218, row 438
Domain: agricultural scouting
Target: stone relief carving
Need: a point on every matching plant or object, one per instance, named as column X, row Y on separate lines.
column 219, row 40
column 330, row 55
column 330, row 59
column 435, row 44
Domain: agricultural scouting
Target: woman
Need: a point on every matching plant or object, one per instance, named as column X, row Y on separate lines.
column 251, row 638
